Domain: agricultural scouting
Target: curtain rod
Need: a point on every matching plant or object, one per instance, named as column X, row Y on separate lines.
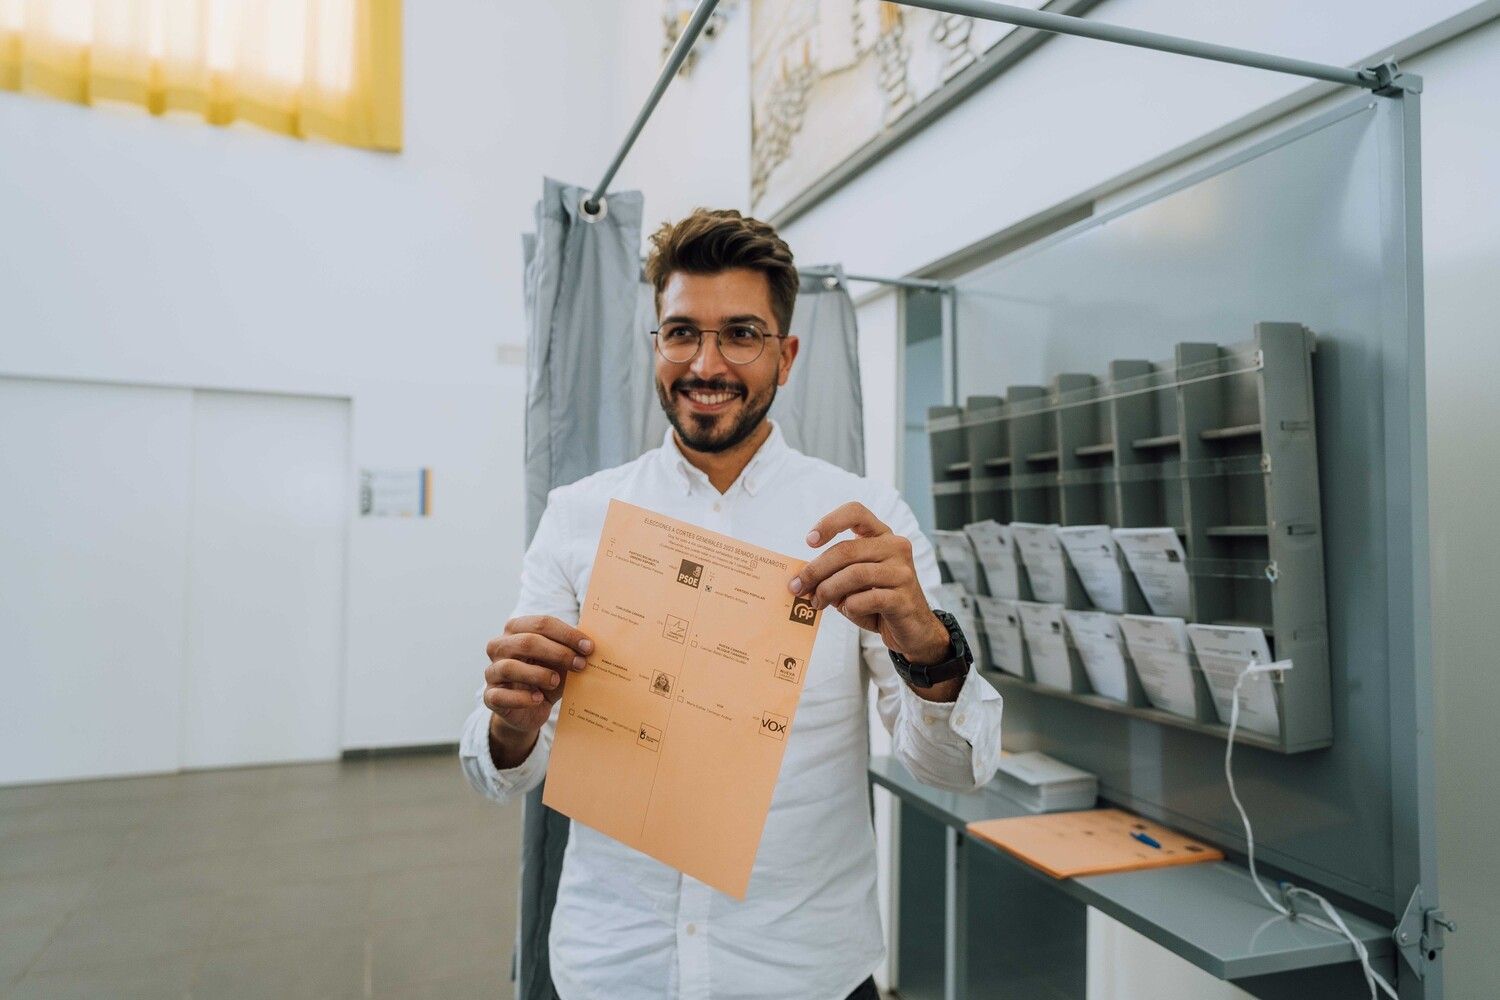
column 1382, row 79
column 919, row 283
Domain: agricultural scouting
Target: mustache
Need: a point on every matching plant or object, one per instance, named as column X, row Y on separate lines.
column 709, row 385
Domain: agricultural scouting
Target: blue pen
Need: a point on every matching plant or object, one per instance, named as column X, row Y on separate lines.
column 1146, row 839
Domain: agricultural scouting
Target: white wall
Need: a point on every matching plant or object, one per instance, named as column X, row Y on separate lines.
column 168, row 252
column 1079, row 113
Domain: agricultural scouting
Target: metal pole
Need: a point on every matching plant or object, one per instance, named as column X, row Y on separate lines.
column 922, row 283
column 1065, row 24
column 690, row 33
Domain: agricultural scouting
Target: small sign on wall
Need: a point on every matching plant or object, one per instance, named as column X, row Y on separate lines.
column 395, row 492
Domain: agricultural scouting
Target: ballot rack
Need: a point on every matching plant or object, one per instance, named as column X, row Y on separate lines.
column 1217, row 442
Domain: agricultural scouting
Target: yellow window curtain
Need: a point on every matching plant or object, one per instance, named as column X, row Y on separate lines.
column 326, row 68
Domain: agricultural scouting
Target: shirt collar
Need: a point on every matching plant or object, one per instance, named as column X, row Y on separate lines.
column 753, row 477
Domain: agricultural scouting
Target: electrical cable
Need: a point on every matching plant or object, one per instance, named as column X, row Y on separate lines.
column 1337, row 926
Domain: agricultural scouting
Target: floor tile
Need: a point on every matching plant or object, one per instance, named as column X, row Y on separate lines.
column 22, row 942
column 57, row 852
column 130, row 932
column 157, row 979
column 285, row 910
column 42, row 896
column 327, row 967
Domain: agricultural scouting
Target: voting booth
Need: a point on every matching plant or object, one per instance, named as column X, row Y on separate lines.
column 1235, row 363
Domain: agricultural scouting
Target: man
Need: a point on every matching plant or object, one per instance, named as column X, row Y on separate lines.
column 627, row 927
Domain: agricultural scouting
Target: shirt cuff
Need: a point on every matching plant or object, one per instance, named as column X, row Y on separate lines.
column 497, row 783
column 973, row 717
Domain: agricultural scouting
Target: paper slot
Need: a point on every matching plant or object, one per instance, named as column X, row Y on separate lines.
column 1101, row 646
column 1001, row 620
column 1161, row 651
column 1224, row 652
column 1092, row 550
column 956, row 554
column 1047, row 644
column 1157, row 559
column 1042, row 555
column 995, row 548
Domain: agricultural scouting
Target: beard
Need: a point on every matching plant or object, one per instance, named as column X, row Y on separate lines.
column 714, row 432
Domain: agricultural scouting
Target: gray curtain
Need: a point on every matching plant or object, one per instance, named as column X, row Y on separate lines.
column 820, row 409
column 588, row 382
column 591, row 404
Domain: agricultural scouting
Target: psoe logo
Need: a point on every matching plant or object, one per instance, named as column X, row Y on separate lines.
column 802, row 611
column 690, row 573
column 774, row 726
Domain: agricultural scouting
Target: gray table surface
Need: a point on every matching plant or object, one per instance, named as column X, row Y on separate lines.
column 1210, row 913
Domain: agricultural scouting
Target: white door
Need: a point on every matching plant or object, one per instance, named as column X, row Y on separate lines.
column 265, row 610
column 93, row 503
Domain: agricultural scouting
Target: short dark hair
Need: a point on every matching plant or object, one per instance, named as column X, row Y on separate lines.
column 712, row 240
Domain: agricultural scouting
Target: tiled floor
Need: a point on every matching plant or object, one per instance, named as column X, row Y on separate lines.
column 383, row 878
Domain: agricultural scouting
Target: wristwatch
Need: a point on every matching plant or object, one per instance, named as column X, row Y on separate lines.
column 955, row 665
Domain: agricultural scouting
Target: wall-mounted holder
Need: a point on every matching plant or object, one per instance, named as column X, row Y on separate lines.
column 1218, row 443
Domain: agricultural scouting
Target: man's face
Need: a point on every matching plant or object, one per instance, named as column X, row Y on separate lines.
column 712, row 404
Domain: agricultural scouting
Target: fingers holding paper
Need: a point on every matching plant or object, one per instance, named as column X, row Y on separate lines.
column 529, row 665
column 872, row 581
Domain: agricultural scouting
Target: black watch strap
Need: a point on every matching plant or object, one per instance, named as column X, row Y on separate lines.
column 928, row 675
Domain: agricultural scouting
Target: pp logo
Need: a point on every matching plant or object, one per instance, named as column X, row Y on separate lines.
column 773, row 726
column 803, row 612
column 690, row 573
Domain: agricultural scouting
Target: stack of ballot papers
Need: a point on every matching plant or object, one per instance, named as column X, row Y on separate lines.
column 1094, row 554
column 1042, row 554
column 1043, row 784
column 1224, row 652
column 1160, row 649
column 1001, row 620
column 1159, row 564
column 1047, row 644
column 956, row 555
column 996, row 548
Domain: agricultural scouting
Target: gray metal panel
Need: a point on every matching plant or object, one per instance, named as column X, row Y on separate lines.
column 1316, row 226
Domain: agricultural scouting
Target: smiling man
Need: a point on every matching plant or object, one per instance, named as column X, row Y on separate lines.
column 627, row 927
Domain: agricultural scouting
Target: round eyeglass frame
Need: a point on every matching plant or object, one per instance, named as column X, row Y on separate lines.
column 718, row 343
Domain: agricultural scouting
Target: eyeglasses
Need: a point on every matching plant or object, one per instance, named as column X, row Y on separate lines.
column 739, row 343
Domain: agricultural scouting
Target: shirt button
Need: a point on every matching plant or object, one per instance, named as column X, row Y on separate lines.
column 931, row 720
column 718, row 507
column 692, row 929
column 961, row 718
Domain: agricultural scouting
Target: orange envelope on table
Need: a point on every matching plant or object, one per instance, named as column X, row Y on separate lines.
column 671, row 740
column 1092, row 842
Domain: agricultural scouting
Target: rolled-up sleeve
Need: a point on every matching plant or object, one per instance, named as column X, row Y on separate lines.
column 953, row 745
column 546, row 589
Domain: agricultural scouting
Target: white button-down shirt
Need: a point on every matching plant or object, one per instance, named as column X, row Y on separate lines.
column 627, row 927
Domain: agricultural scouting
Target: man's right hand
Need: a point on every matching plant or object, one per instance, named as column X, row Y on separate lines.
column 529, row 665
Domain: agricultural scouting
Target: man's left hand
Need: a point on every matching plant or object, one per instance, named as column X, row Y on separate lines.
column 872, row 581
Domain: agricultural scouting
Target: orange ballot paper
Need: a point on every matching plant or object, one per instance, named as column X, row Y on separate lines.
column 671, row 740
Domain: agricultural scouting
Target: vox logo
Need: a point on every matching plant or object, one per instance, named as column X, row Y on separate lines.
column 802, row 611
column 773, row 726
column 690, row 573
